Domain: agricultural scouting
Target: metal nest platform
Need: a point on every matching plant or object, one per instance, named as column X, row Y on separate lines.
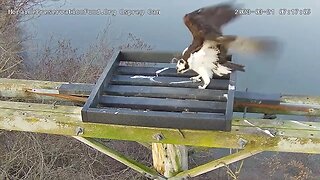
column 144, row 89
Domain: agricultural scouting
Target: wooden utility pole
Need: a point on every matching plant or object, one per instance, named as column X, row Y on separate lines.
column 169, row 159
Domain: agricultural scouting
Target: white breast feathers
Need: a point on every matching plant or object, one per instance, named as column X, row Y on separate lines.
column 204, row 62
column 205, row 59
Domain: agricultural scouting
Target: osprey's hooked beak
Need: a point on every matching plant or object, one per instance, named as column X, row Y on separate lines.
column 174, row 60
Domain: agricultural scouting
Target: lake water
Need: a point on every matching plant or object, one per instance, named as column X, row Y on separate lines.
column 296, row 71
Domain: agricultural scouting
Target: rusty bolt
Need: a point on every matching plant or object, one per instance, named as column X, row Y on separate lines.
column 158, row 136
column 242, row 143
column 311, row 110
column 79, row 131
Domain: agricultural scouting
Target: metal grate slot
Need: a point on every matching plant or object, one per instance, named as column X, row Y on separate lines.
column 151, row 71
column 166, row 92
column 183, row 82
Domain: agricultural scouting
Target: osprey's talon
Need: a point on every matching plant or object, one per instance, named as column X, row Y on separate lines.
column 195, row 79
column 203, row 87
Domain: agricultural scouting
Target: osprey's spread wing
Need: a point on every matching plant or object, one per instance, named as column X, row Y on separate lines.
column 206, row 23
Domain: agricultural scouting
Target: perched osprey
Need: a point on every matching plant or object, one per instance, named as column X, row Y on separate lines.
column 208, row 52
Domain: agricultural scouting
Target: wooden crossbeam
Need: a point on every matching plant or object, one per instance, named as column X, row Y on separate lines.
column 218, row 163
column 279, row 135
column 141, row 168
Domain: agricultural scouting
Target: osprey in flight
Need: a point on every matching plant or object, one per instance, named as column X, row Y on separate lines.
column 207, row 54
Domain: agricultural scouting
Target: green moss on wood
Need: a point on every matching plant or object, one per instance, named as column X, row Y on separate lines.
column 32, row 120
column 65, row 120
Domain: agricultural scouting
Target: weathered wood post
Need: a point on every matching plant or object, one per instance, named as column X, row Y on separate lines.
column 169, row 159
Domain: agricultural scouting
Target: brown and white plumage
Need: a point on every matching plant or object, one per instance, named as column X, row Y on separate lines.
column 205, row 24
column 208, row 51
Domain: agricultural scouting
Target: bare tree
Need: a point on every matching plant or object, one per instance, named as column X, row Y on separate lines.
column 12, row 12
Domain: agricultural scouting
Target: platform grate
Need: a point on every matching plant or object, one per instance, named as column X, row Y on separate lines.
column 143, row 89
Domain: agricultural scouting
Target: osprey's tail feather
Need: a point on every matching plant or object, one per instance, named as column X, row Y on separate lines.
column 233, row 66
column 252, row 45
column 221, row 70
